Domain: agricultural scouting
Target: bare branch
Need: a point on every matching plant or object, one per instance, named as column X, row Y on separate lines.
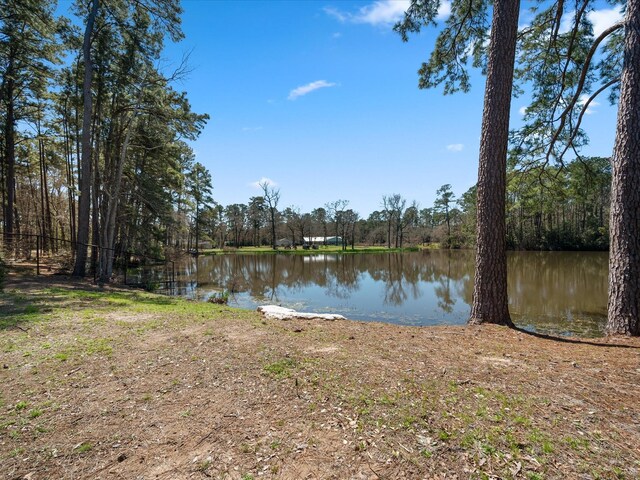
column 580, row 86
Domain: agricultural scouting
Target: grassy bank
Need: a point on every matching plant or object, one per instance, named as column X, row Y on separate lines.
column 122, row 384
column 321, row 249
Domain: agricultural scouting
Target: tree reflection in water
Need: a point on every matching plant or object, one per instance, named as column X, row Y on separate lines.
column 549, row 291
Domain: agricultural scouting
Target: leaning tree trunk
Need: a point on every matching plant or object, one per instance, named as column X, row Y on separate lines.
column 490, row 303
column 624, row 254
column 84, row 204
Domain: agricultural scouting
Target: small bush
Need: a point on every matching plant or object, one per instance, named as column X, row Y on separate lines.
column 151, row 286
column 220, row 298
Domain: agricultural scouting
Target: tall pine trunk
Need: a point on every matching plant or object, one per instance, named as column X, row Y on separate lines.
column 69, row 176
column 112, row 198
column 46, row 233
column 624, row 253
column 490, row 302
column 84, row 203
column 9, row 154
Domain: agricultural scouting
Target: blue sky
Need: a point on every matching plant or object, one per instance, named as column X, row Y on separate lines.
column 364, row 131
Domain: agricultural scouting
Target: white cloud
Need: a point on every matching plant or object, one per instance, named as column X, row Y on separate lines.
column 445, row 9
column 308, row 88
column 455, row 147
column 522, row 110
column 600, row 19
column 583, row 100
column 382, row 12
column 337, row 14
column 336, row 35
column 603, row 19
column 263, row 180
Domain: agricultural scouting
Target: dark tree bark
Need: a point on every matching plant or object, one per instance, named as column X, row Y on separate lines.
column 96, row 179
column 490, row 303
column 108, row 236
column 46, row 232
column 272, row 221
column 69, row 172
column 624, row 253
column 84, row 203
column 10, row 152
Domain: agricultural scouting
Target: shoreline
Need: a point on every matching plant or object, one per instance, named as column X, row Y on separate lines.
column 121, row 383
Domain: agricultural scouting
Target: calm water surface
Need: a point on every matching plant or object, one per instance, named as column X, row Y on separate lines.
column 550, row 292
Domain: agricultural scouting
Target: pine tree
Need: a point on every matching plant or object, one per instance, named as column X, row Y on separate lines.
column 28, row 50
column 624, row 256
column 464, row 35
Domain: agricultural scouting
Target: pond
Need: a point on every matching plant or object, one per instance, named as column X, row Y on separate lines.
column 550, row 292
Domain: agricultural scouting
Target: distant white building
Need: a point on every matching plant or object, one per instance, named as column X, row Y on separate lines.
column 323, row 240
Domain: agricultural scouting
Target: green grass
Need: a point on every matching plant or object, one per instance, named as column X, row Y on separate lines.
column 35, row 413
column 337, row 249
column 84, row 447
column 95, row 303
column 62, row 356
column 125, row 312
column 99, row 346
column 280, row 368
column 19, row 310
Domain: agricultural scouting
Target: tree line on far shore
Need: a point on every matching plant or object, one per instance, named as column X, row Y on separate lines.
column 552, row 209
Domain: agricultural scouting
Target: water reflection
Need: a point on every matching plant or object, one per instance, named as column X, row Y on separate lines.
column 552, row 292
column 559, row 292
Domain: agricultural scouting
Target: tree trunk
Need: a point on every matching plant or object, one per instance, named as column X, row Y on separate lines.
column 47, row 200
column 84, row 204
column 447, row 213
column 197, row 228
column 3, row 185
column 490, row 303
column 9, row 155
column 78, row 155
column 624, row 254
column 69, row 172
column 273, row 230
column 112, row 198
column 96, row 204
column 43, row 211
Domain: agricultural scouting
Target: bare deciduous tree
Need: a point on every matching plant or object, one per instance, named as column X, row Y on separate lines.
column 271, row 196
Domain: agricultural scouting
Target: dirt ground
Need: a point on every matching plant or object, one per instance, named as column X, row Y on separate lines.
column 116, row 384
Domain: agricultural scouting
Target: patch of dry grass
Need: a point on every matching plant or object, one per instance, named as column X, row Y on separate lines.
column 121, row 384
